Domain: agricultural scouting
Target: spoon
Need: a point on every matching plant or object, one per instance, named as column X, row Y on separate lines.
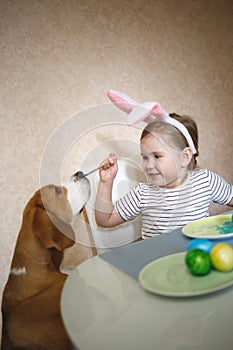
column 106, row 165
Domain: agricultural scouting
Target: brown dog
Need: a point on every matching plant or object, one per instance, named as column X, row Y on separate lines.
column 31, row 298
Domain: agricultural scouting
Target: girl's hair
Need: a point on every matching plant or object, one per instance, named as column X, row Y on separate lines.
column 176, row 137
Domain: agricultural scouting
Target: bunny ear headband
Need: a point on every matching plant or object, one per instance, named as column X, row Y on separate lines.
column 145, row 112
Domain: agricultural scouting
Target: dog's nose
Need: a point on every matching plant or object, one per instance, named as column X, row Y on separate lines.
column 78, row 175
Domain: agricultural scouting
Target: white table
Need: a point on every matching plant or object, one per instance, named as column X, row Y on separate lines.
column 104, row 308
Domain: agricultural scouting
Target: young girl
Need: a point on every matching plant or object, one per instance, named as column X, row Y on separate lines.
column 177, row 191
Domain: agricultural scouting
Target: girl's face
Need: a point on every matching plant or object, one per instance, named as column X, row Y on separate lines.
column 162, row 164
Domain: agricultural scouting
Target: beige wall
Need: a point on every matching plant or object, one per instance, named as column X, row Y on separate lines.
column 58, row 57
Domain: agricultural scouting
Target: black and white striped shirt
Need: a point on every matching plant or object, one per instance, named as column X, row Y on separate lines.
column 163, row 210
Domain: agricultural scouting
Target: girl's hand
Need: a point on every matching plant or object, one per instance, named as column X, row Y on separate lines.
column 109, row 168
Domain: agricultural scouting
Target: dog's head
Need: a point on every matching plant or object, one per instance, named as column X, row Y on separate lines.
column 67, row 201
column 52, row 210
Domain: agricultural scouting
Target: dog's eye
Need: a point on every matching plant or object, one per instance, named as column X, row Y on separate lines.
column 58, row 190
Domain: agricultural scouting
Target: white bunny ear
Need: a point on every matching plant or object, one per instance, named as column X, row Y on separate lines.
column 145, row 112
column 122, row 101
column 138, row 114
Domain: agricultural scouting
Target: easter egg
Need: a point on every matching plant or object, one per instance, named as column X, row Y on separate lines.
column 200, row 243
column 198, row 262
column 222, row 257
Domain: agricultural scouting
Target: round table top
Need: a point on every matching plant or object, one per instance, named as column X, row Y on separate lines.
column 105, row 308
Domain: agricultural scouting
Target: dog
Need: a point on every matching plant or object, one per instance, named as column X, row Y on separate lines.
column 31, row 297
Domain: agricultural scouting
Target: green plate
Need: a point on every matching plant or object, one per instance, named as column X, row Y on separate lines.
column 207, row 227
column 169, row 276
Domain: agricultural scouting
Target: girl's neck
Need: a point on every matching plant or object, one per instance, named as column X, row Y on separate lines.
column 177, row 182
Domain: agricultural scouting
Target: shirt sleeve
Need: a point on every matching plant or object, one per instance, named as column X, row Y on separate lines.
column 128, row 207
column 221, row 190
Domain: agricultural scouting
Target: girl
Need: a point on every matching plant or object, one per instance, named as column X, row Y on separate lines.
column 177, row 191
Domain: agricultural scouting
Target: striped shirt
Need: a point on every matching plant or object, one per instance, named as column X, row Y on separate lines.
column 163, row 210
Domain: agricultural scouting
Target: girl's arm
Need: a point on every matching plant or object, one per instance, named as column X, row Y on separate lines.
column 105, row 214
column 230, row 204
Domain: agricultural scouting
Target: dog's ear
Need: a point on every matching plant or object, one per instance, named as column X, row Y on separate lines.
column 51, row 232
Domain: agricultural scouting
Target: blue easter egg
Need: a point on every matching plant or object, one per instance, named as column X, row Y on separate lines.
column 200, row 243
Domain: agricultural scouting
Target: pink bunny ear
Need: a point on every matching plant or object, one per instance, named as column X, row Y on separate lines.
column 157, row 110
column 145, row 112
column 122, row 101
column 138, row 114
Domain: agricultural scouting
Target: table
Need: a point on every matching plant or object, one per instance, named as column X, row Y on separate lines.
column 104, row 307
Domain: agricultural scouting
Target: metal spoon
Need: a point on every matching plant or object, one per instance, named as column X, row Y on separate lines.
column 80, row 174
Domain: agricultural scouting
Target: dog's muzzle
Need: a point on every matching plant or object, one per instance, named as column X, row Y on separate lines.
column 78, row 192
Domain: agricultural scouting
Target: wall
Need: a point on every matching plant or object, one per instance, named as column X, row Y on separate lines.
column 59, row 57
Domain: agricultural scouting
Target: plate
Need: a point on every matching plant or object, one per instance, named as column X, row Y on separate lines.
column 208, row 227
column 169, row 276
